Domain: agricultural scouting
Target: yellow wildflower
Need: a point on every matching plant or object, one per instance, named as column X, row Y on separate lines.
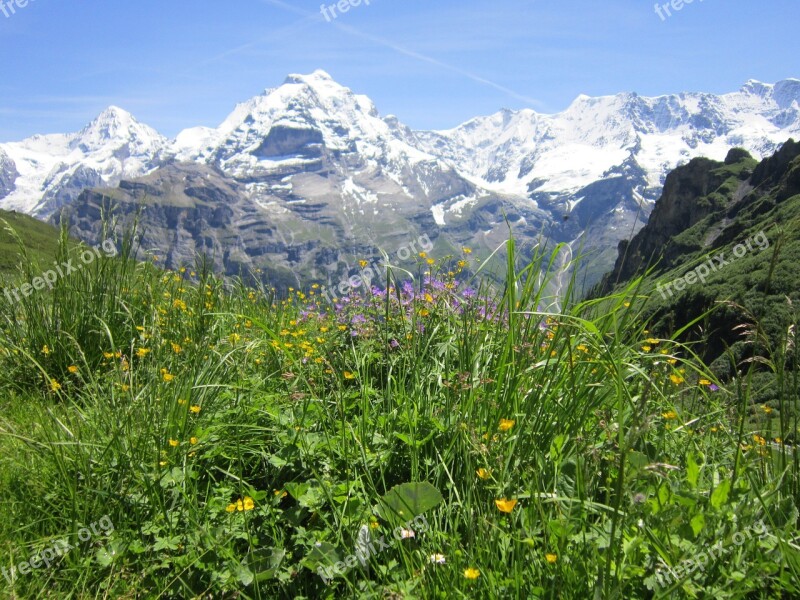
column 506, row 424
column 483, row 473
column 505, row 505
column 551, row 558
column 472, row 573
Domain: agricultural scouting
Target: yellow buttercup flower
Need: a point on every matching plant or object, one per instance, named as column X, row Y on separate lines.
column 670, row 415
column 54, row 385
column 505, row 505
column 193, row 440
column 194, row 409
column 249, row 504
column 142, row 352
column 72, row 369
column 472, row 573
column 483, row 473
column 174, row 443
column 349, row 375
column 551, row 558
column 230, row 508
column 45, row 350
column 676, row 379
column 506, row 424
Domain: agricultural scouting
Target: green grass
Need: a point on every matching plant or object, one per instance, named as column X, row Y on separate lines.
column 162, row 400
column 41, row 240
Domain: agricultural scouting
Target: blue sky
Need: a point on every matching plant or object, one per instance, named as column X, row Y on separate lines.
column 433, row 63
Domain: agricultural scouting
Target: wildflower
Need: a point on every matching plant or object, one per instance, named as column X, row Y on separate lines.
column 281, row 493
column 174, row 443
column 423, row 255
column 176, row 348
column 483, row 473
column 194, row 409
column 163, row 463
column 181, row 402
column 142, row 352
column 54, row 385
column 672, row 361
column 466, row 250
column 349, row 375
column 583, row 348
column 72, row 369
column 670, row 415
column 193, row 441
column 713, row 388
column 234, row 337
column 166, row 376
column 504, row 505
column 437, row 559
column 374, row 525
column 430, row 261
column 647, row 348
column 472, row 573
column 45, row 350
column 551, row 558
column 428, row 298
column 653, row 341
column 767, row 410
column 230, row 508
column 506, row 424
column 362, row 263
column 778, row 440
column 248, row 503
column 759, row 440
column 676, row 379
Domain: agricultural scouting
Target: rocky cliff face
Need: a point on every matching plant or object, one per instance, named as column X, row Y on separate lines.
column 8, row 175
column 717, row 194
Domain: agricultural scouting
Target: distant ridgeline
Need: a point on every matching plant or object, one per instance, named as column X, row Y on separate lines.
column 723, row 232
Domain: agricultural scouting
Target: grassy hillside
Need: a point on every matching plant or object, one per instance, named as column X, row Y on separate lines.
column 191, row 438
column 40, row 240
column 721, row 252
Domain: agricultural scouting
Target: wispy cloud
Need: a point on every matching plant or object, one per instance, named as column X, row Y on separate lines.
column 386, row 43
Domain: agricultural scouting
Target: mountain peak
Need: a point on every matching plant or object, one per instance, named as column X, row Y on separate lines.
column 317, row 76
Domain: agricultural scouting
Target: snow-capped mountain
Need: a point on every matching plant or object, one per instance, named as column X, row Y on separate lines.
column 318, row 162
column 535, row 155
column 52, row 170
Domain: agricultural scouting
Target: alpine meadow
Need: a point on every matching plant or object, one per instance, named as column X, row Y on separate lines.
column 320, row 350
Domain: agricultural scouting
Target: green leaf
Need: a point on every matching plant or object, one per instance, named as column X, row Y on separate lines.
column 697, row 523
column 409, row 500
column 720, row 494
column 692, row 470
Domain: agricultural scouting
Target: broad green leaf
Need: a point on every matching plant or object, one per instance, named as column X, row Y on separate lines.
column 692, row 470
column 406, row 501
column 697, row 523
column 720, row 494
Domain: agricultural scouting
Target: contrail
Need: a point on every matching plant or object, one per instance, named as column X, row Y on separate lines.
column 411, row 53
